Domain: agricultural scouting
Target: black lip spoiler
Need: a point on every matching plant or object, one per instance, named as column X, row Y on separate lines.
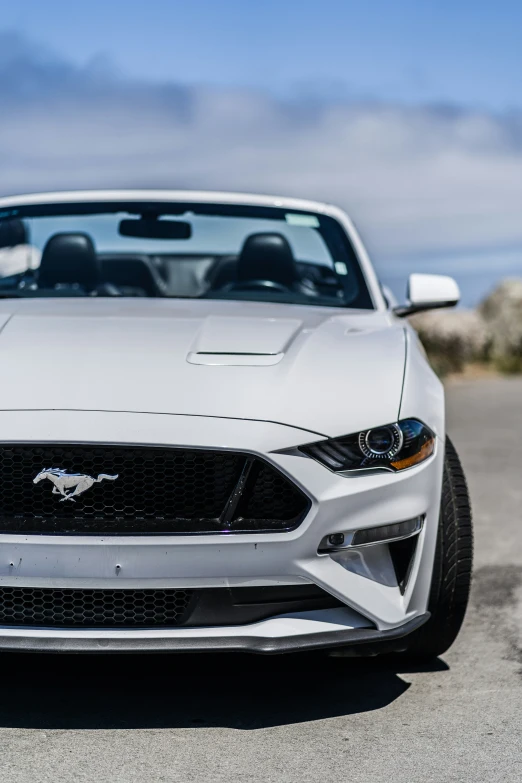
column 359, row 641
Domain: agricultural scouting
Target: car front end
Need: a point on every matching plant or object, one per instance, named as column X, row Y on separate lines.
column 231, row 470
column 97, row 579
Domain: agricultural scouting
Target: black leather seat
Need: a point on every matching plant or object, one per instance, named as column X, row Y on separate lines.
column 12, row 233
column 69, row 259
column 268, row 256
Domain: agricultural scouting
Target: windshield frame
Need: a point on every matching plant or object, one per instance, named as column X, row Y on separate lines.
column 340, row 245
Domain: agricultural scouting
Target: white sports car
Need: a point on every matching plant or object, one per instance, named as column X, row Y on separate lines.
column 218, row 433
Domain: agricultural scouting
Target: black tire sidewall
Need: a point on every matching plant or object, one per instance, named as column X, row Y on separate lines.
column 452, row 565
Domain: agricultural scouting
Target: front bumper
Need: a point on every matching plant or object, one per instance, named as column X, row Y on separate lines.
column 377, row 609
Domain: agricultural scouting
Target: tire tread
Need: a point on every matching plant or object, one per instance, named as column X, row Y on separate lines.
column 452, row 568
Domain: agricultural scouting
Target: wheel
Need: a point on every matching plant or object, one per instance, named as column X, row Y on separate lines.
column 451, row 579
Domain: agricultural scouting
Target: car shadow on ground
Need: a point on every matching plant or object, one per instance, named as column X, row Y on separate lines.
column 244, row 692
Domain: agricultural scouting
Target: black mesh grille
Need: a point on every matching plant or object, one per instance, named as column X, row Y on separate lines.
column 271, row 498
column 93, row 608
column 99, row 608
column 157, row 490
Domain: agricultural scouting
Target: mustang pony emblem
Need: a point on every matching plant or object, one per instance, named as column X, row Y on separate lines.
column 78, row 482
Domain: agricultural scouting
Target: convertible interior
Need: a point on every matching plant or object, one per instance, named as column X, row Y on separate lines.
column 71, row 265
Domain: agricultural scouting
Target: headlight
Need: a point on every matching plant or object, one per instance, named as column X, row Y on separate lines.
column 391, row 447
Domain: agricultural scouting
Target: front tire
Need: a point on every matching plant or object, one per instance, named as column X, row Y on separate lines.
column 452, row 566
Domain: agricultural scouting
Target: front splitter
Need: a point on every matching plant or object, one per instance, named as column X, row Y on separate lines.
column 361, row 641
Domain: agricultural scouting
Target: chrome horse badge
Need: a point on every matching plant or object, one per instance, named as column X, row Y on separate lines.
column 63, row 481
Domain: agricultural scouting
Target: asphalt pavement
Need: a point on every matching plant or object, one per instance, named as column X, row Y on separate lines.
column 305, row 719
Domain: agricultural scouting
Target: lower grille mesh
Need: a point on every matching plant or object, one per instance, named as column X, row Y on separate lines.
column 46, row 607
column 49, row 607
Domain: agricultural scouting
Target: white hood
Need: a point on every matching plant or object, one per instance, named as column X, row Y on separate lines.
column 319, row 369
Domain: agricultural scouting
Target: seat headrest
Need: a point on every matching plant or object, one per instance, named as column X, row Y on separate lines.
column 12, row 233
column 69, row 258
column 267, row 256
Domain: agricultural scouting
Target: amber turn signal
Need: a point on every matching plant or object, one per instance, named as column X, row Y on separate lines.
column 424, row 452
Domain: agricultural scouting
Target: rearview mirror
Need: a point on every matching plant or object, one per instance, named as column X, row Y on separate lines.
column 428, row 292
column 149, row 228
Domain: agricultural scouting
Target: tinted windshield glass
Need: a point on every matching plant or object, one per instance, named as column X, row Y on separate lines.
column 158, row 249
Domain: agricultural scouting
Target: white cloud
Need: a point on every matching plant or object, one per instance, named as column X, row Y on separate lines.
column 417, row 180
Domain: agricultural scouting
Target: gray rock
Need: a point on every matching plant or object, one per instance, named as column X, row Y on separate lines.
column 502, row 313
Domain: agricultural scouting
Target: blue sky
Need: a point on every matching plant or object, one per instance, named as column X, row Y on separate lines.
column 408, row 114
column 412, row 50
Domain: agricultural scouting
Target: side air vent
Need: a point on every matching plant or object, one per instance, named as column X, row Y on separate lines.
column 402, row 554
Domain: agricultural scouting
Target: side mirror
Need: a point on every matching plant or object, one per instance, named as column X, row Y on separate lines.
column 428, row 292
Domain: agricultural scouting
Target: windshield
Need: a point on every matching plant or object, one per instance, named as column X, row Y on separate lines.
column 157, row 249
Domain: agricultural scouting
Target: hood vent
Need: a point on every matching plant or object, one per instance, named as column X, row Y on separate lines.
column 211, row 358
